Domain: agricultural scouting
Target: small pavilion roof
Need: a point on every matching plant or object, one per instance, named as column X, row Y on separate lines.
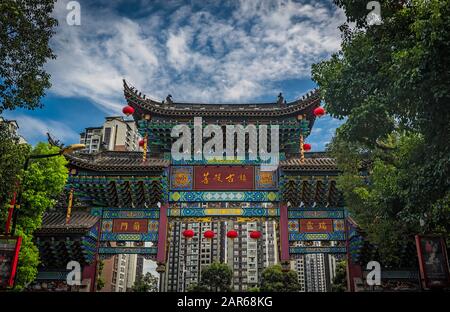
column 116, row 161
column 56, row 222
column 315, row 163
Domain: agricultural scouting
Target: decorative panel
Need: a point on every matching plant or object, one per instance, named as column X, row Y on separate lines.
column 266, row 180
column 245, row 212
column 181, row 178
column 128, row 250
column 312, row 250
column 223, row 196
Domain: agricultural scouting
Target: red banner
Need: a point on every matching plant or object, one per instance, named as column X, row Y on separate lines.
column 316, row 225
column 223, row 178
column 130, row 226
column 433, row 261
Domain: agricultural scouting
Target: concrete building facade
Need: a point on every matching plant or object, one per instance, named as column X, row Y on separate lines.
column 116, row 134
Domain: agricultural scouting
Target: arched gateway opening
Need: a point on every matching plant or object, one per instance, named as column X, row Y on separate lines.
column 142, row 202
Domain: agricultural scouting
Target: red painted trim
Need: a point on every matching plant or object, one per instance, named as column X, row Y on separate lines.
column 284, row 235
column 14, row 262
column 10, row 213
column 350, row 283
column 421, row 266
column 162, row 234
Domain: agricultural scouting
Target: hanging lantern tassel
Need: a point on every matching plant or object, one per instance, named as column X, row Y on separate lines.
column 69, row 206
column 144, row 154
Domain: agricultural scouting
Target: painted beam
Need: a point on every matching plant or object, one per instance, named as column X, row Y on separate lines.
column 240, row 212
column 127, row 250
column 312, row 250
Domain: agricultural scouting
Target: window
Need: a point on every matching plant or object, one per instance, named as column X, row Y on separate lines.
column 107, row 137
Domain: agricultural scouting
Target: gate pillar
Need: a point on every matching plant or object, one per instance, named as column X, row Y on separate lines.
column 284, row 236
column 162, row 236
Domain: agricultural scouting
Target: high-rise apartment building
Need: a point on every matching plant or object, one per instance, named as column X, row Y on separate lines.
column 139, row 266
column 116, row 134
column 315, row 271
column 119, row 273
column 246, row 257
column 14, row 128
column 187, row 257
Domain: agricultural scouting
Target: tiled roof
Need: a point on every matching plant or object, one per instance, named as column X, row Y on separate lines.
column 310, row 163
column 304, row 106
column 116, row 161
column 132, row 161
column 57, row 221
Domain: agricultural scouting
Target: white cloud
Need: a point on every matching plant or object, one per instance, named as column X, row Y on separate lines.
column 33, row 129
column 195, row 56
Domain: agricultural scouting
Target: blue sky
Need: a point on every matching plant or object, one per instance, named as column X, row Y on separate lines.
column 205, row 51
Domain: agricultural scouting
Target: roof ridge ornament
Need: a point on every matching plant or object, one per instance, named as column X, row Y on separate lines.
column 281, row 100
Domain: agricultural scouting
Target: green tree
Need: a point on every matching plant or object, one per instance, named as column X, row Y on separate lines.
column 146, row 283
column 197, row 288
column 100, row 282
column 274, row 279
column 27, row 27
column 12, row 155
column 390, row 84
column 215, row 277
column 339, row 283
column 41, row 185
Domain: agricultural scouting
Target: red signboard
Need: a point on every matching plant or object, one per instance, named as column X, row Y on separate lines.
column 130, row 226
column 433, row 261
column 223, row 178
column 316, row 225
column 9, row 255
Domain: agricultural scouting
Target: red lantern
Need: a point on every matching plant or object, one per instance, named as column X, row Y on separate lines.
column 232, row 234
column 128, row 110
column 188, row 233
column 208, row 234
column 306, row 147
column 255, row 234
column 141, row 143
column 319, row 112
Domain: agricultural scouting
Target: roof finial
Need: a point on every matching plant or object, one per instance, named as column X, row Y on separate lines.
column 169, row 99
column 280, row 99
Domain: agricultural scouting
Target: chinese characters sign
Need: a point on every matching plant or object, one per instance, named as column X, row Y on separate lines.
column 309, row 229
column 130, row 226
column 316, row 225
column 223, row 178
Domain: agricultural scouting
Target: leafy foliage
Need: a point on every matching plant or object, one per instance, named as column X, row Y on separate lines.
column 215, row 277
column 146, row 283
column 274, row 279
column 27, row 27
column 100, row 282
column 390, row 84
column 40, row 184
column 340, row 279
